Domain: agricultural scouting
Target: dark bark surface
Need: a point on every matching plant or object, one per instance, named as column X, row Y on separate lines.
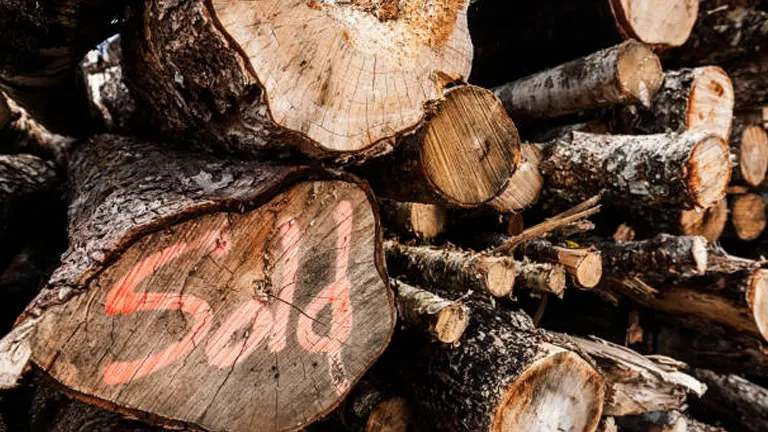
column 738, row 403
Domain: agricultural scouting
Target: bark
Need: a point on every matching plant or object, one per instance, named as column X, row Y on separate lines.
column 462, row 157
column 694, row 100
column 749, row 81
column 669, row 421
column 452, row 269
column 747, row 217
column 247, row 78
column 607, row 424
column 504, row 376
column 749, row 146
column 659, row 258
column 584, row 265
column 183, row 222
column 41, row 46
column 709, row 223
column 441, row 319
column 685, row 171
column 524, row 187
column 624, row 74
column 413, row 220
column 540, row 278
column 637, row 384
column 373, row 406
column 25, row 182
column 738, row 403
column 22, row 134
column 566, row 30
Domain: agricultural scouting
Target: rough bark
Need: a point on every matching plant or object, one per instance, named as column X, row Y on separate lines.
column 750, row 81
column 25, row 181
column 41, row 45
column 566, row 30
column 504, row 376
column 444, row 320
column 624, row 74
column 183, row 221
column 689, row 170
column 747, row 216
column 20, row 133
column 637, row 384
column 584, row 265
column 413, row 220
column 694, row 100
column 738, row 403
column 329, row 77
column 664, row 256
column 709, row 223
column 524, row 186
column 452, row 269
column 463, row 156
column 540, row 278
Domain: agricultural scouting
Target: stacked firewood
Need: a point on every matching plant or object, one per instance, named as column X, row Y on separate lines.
column 383, row 215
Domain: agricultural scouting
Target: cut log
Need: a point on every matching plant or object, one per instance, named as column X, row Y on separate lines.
column 540, row 278
column 694, row 100
column 524, row 186
column 709, row 223
column 413, row 220
column 463, row 156
column 636, row 384
column 737, row 402
column 20, row 133
column 372, row 406
column 748, row 216
column 661, row 257
column 749, row 145
column 584, row 265
column 504, row 377
column 689, row 170
column 566, row 30
column 334, row 76
column 271, row 284
column 452, row 269
column 624, row 74
column 42, row 45
column 444, row 320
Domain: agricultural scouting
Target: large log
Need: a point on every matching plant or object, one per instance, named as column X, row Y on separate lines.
column 689, row 170
column 504, row 376
column 331, row 76
column 41, row 45
column 624, row 74
column 738, row 403
column 261, row 284
column 695, row 100
column 566, row 30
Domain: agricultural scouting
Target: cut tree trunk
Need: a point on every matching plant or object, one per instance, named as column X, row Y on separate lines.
column 373, row 406
column 505, row 376
column 566, row 30
column 331, row 77
column 413, row 220
column 636, row 384
column 689, row 170
column 20, row 133
column 747, row 216
column 444, row 320
column 694, row 100
column 452, row 269
column 463, row 156
column 540, row 278
column 269, row 275
column 749, row 145
column 661, row 257
column 524, row 186
column 624, row 74
column 737, row 402
column 709, row 223
column 584, row 265
column 41, row 45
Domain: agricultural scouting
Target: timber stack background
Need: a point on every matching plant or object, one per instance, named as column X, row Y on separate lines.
column 384, row 215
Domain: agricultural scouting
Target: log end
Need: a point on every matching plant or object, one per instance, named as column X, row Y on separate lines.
column 639, row 71
column 757, row 298
column 709, row 223
column 349, row 74
column 451, row 323
column 711, row 100
column 470, row 147
column 428, row 220
column 700, row 254
column 524, row 186
column 391, row 415
column 663, row 23
column 558, row 392
column 499, row 273
column 589, row 271
column 753, row 155
column 748, row 216
column 709, row 171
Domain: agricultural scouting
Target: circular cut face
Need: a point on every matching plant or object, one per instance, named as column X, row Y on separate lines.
column 238, row 322
column 710, row 107
column 757, row 297
column 657, row 22
column 709, row 223
column 350, row 73
column 753, row 155
column 708, row 167
column 748, row 216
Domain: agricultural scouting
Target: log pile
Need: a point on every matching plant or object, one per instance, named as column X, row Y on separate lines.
column 384, row 215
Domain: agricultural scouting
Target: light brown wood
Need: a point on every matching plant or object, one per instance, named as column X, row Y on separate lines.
column 524, row 186
column 656, row 22
column 752, row 148
column 708, row 223
column 748, row 216
column 442, row 319
column 540, row 278
column 413, row 220
column 584, row 265
column 390, row 415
